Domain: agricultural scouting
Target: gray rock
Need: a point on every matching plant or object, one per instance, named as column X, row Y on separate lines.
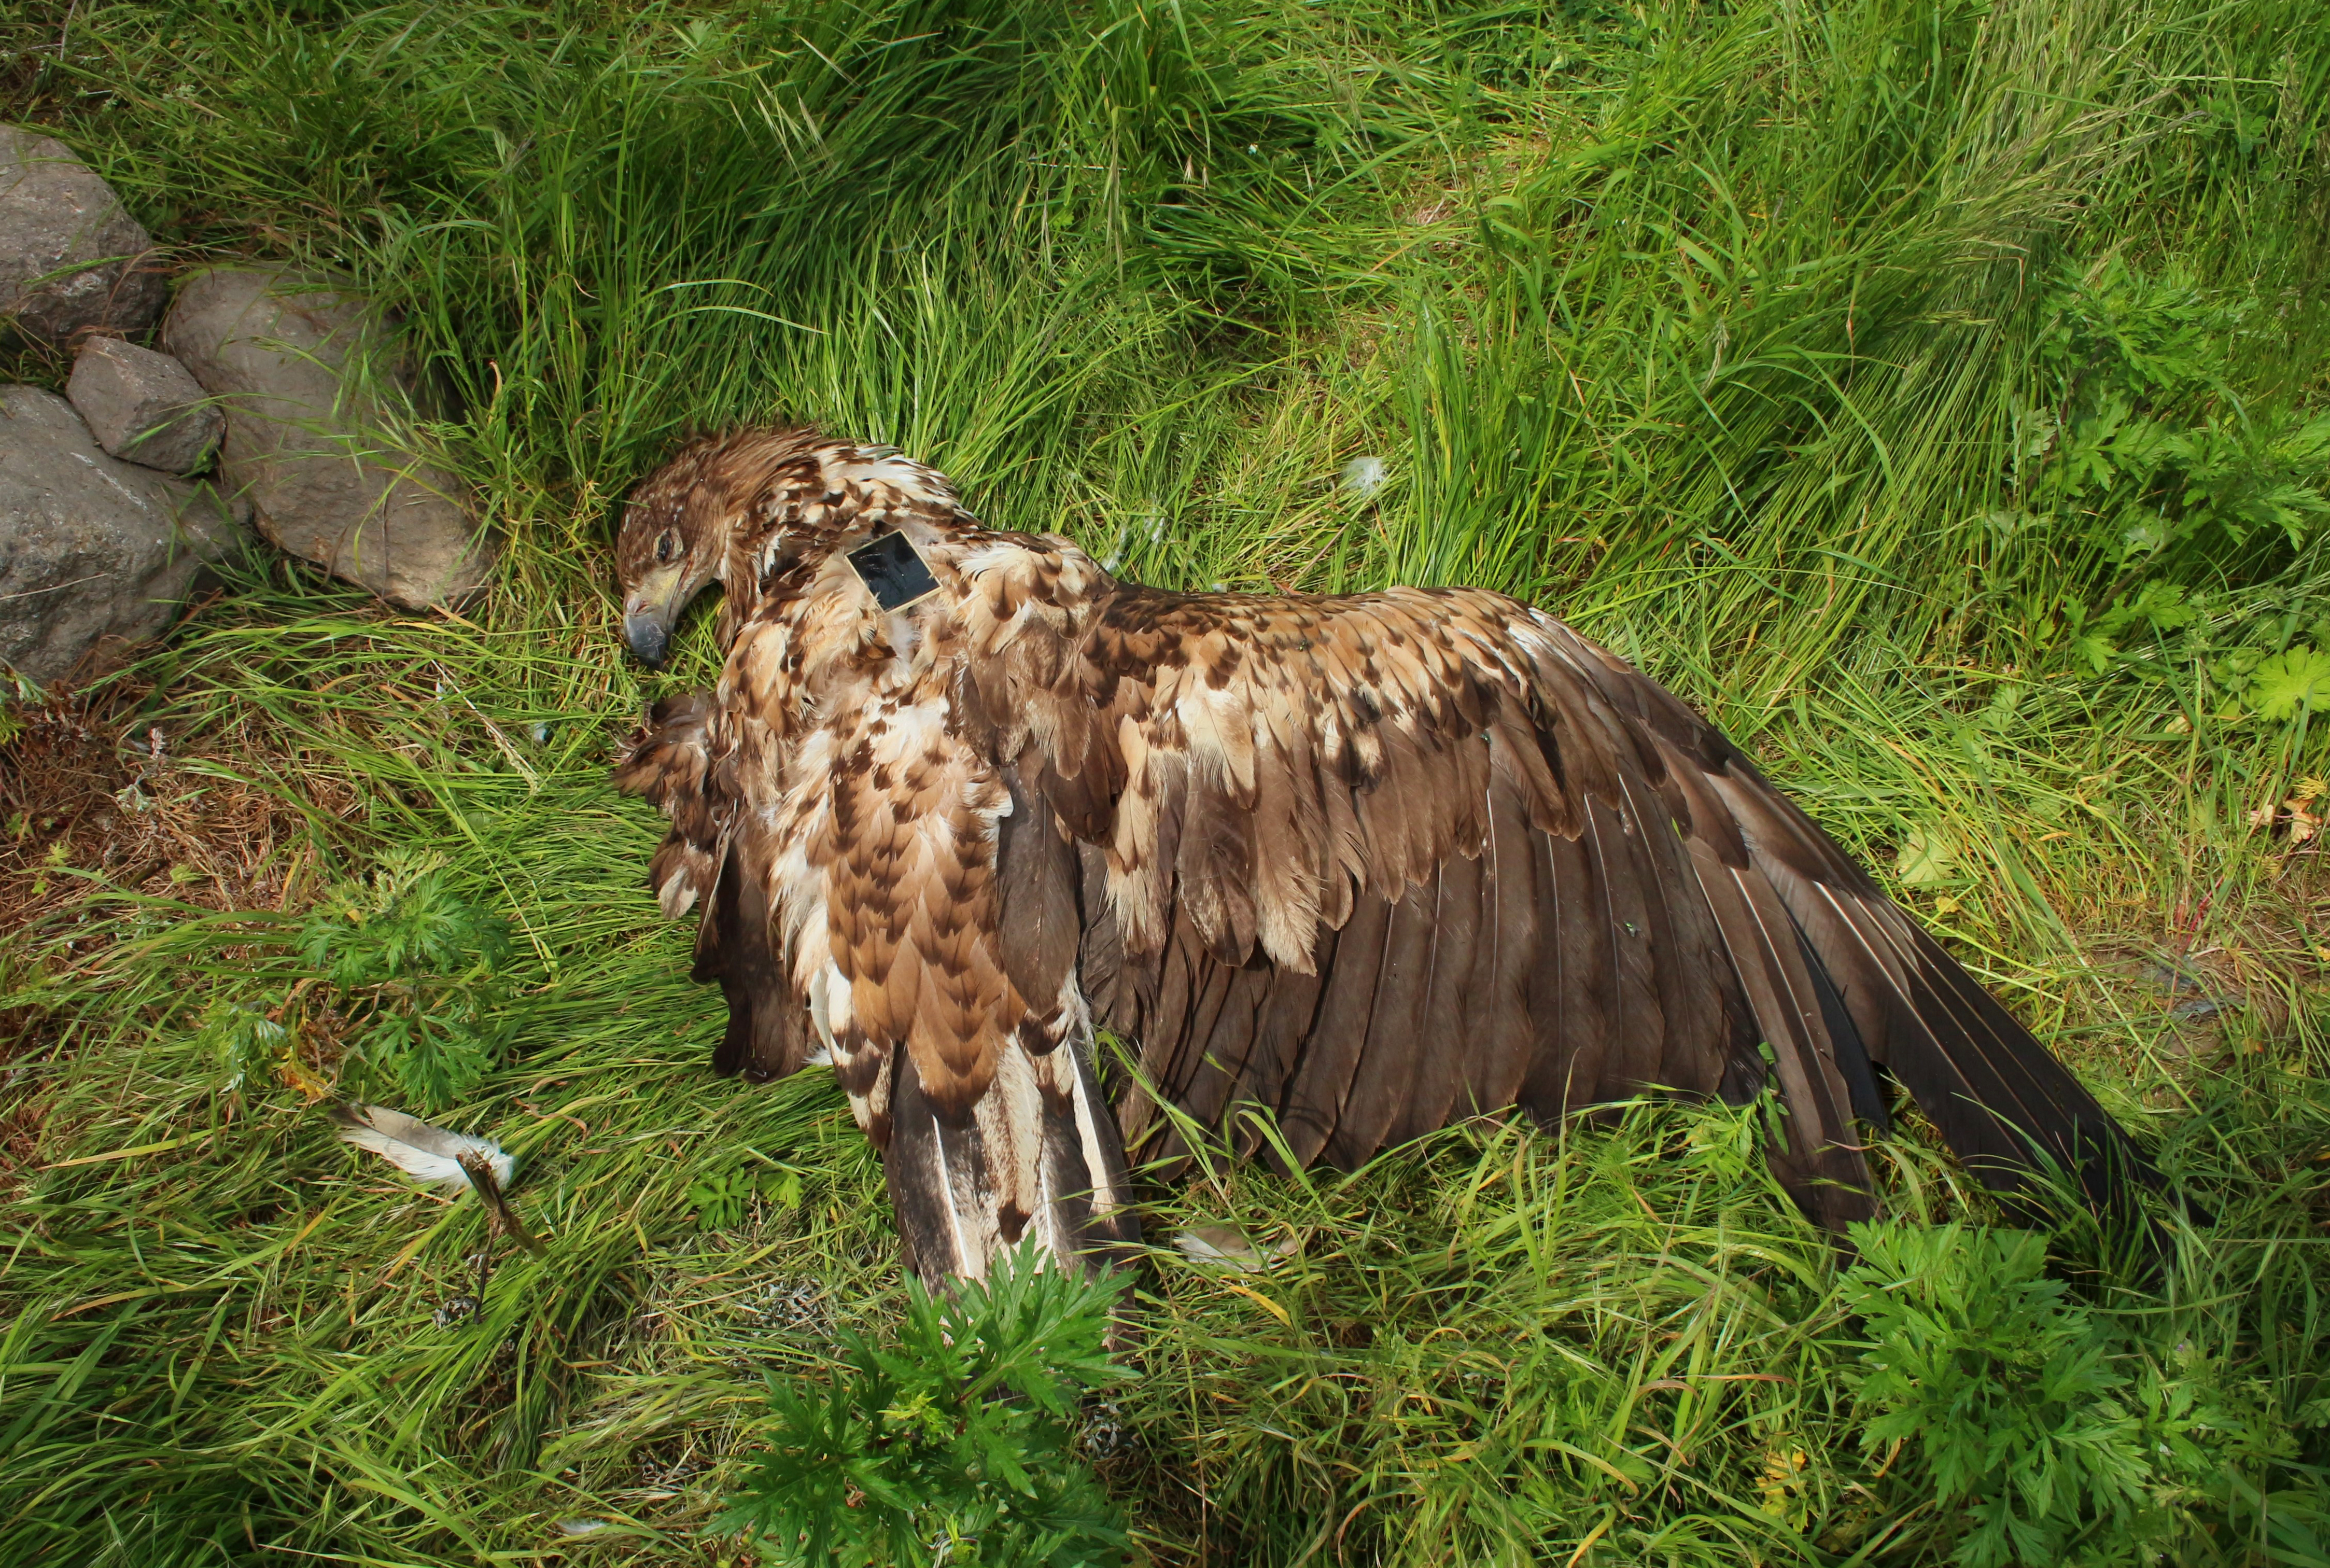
column 144, row 407
column 71, row 260
column 317, row 419
column 91, row 546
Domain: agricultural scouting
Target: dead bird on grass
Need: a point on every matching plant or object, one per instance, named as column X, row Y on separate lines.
column 1373, row 863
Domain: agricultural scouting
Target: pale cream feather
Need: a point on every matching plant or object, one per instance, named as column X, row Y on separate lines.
column 430, row 1154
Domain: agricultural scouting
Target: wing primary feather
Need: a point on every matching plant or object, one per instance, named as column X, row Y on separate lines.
column 1438, row 1053
column 1573, row 994
column 2056, row 1125
column 1637, row 1042
column 1312, row 1105
column 1287, row 1005
column 1499, row 1029
column 1822, row 1156
column 2000, row 1099
column 1852, row 1053
column 1201, row 1086
column 1299, row 1122
column 1678, row 926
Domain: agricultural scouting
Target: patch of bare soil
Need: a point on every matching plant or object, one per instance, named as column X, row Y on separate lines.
column 88, row 798
column 95, row 798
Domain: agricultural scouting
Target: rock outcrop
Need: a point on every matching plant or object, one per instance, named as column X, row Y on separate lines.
column 143, row 406
column 315, row 409
column 71, row 260
column 91, row 546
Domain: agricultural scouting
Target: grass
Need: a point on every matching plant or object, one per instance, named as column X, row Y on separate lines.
column 1933, row 393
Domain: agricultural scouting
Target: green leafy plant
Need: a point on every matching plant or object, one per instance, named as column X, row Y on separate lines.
column 417, row 970
column 721, row 1197
column 953, row 1442
column 1928, row 858
column 2139, row 433
column 2158, row 608
column 2058, row 1439
column 239, row 1035
column 2291, row 682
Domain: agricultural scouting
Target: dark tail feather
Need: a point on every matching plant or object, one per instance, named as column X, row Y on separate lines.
column 1037, row 1155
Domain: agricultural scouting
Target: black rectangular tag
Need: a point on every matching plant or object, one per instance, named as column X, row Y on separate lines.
column 892, row 571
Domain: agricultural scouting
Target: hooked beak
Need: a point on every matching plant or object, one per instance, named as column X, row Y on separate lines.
column 650, row 638
column 649, row 614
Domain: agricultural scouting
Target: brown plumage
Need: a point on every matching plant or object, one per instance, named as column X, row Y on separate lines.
column 1367, row 864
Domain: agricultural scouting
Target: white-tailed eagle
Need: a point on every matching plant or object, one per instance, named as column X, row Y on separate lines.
column 1368, row 863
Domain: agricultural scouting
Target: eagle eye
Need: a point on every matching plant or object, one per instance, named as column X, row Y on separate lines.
column 664, row 543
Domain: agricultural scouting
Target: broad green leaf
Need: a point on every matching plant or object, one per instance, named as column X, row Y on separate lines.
column 2282, row 685
column 1928, row 859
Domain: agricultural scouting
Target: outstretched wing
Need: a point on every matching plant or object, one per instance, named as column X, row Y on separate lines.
column 1374, row 863
column 703, row 864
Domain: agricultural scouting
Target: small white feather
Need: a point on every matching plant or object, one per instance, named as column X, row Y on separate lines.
column 430, row 1154
column 1228, row 1247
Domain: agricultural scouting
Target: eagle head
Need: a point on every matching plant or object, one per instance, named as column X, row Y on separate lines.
column 668, row 549
column 693, row 520
column 738, row 506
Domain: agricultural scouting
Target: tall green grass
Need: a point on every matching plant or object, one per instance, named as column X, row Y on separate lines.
column 1933, row 393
